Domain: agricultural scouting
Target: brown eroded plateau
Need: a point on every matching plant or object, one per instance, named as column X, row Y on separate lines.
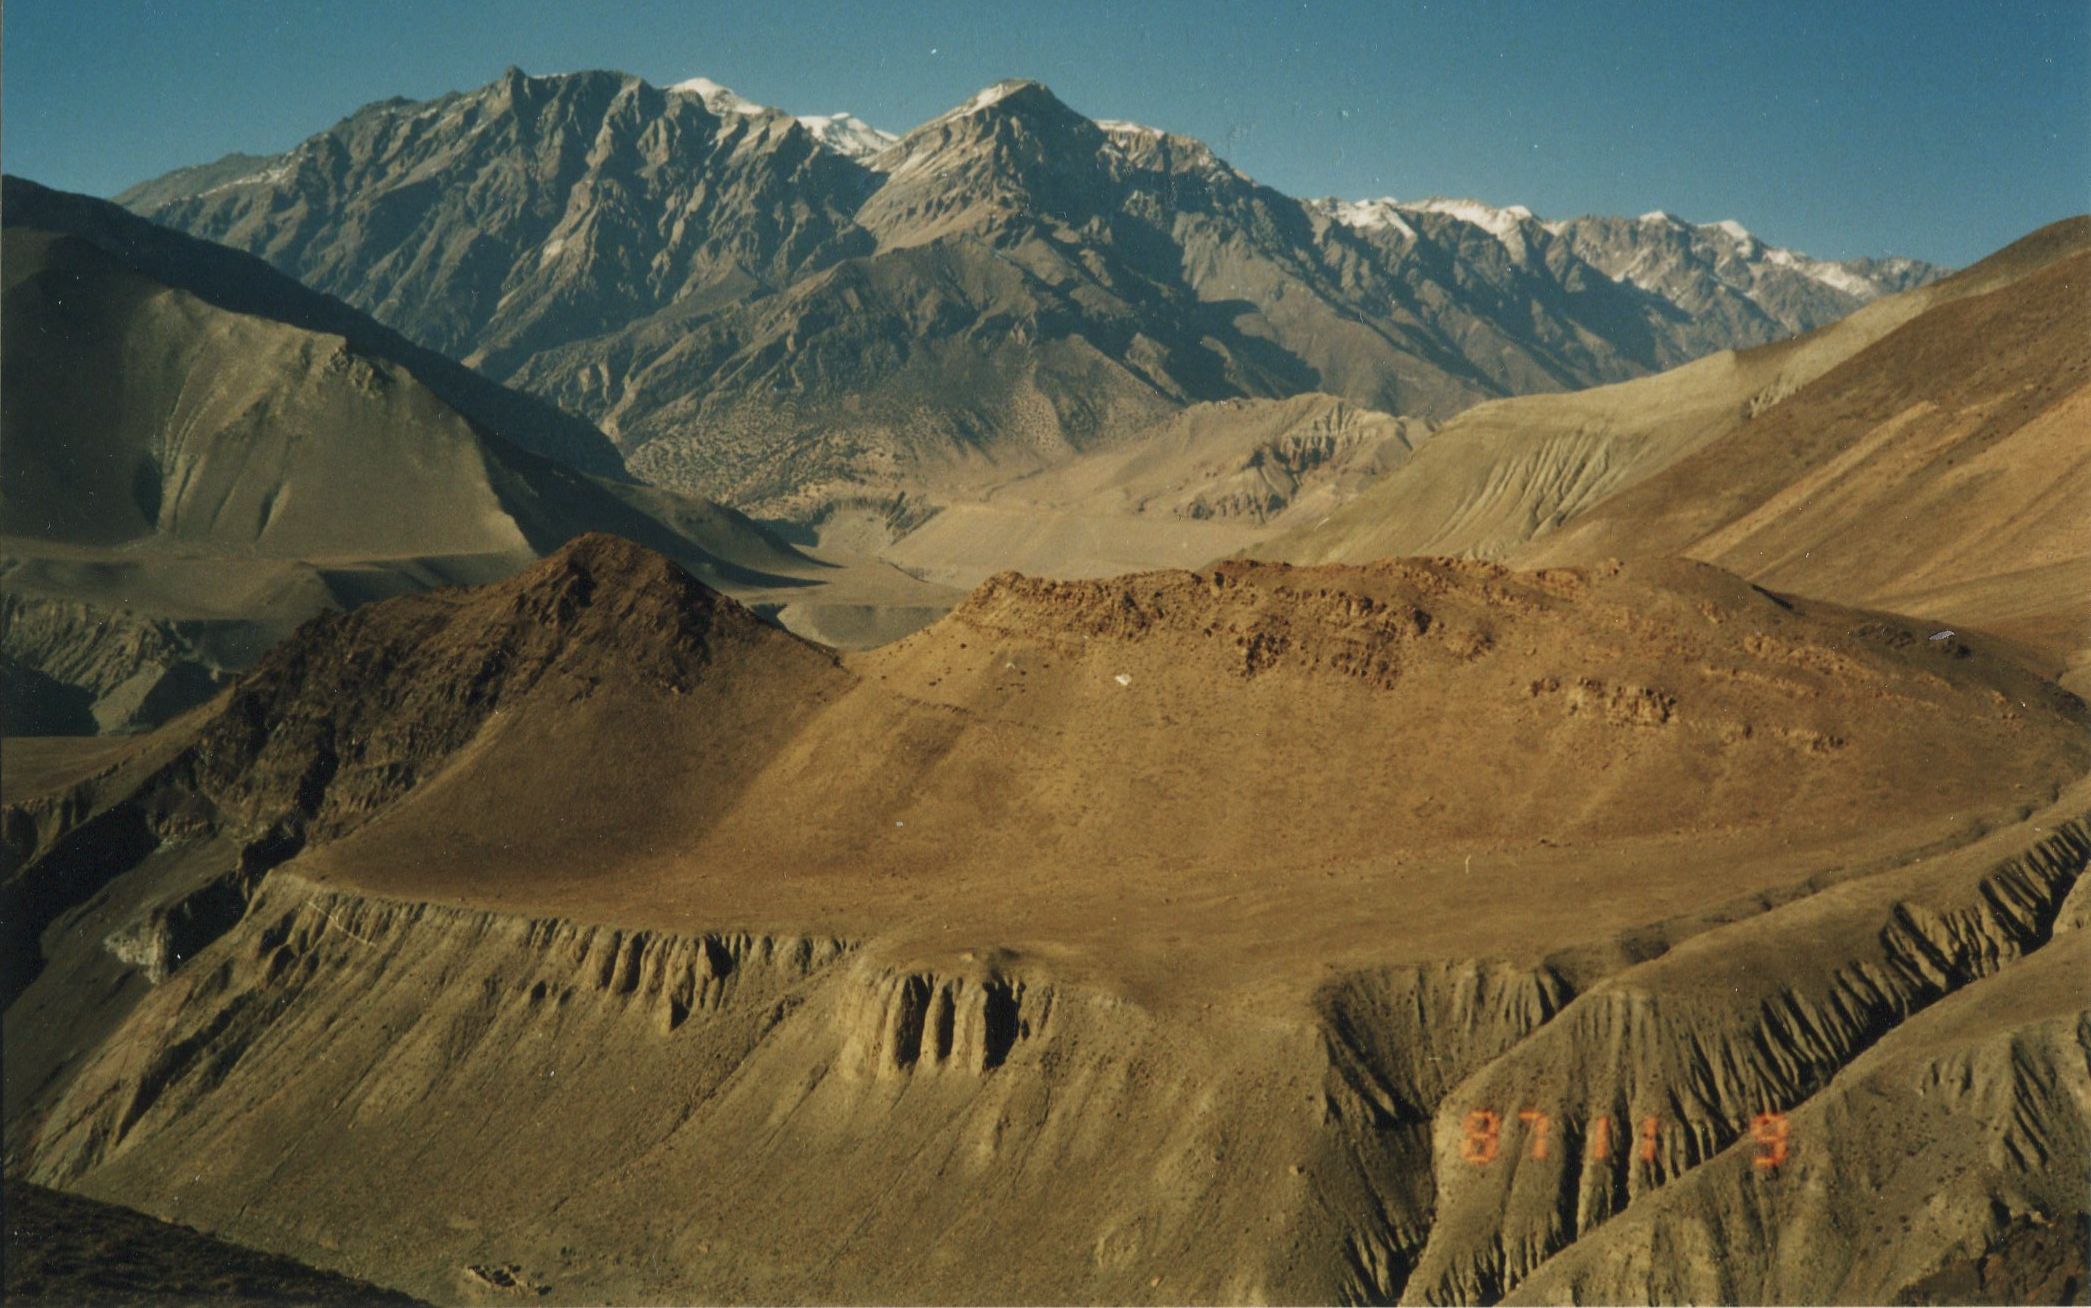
column 1166, row 927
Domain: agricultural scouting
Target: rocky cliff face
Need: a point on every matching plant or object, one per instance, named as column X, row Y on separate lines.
column 1730, row 285
column 755, row 313
column 533, row 211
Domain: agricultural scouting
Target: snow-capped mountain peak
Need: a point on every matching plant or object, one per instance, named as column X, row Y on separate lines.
column 1834, row 276
column 1695, row 264
column 1386, row 213
column 843, row 133
column 987, row 97
column 847, row 134
column 719, row 99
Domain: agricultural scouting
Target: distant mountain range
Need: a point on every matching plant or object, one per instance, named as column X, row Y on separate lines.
column 784, row 312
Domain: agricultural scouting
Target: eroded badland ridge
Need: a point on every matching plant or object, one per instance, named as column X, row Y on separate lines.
column 1109, row 898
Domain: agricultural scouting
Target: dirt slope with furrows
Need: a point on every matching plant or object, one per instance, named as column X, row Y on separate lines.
column 1942, row 470
column 741, row 1063
column 810, row 1119
column 1707, row 1037
column 1207, row 482
column 1967, row 1128
column 1167, row 928
column 1923, row 455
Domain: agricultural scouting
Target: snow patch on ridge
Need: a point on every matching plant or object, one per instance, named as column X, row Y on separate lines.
column 1386, row 213
column 270, row 176
column 989, row 97
column 1839, row 279
column 1818, row 270
column 995, row 94
column 717, row 98
column 1497, row 222
column 1382, row 214
column 844, row 133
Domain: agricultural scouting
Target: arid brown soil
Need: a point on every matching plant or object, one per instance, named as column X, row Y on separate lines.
column 1170, row 927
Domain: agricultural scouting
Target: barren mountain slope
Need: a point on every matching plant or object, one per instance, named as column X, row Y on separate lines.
column 191, row 470
column 138, row 408
column 239, row 284
column 1514, row 471
column 1165, row 928
column 1203, row 483
column 1944, row 470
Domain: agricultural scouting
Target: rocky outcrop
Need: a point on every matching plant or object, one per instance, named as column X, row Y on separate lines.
column 901, row 1022
column 73, row 669
column 300, row 752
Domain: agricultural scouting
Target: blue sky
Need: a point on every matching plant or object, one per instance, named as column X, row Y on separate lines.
column 1942, row 130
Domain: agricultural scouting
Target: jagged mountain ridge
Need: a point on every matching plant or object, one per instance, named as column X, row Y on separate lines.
column 1732, row 289
column 575, row 218
column 751, row 313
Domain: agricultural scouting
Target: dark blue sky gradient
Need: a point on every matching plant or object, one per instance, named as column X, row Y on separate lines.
column 1942, row 130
